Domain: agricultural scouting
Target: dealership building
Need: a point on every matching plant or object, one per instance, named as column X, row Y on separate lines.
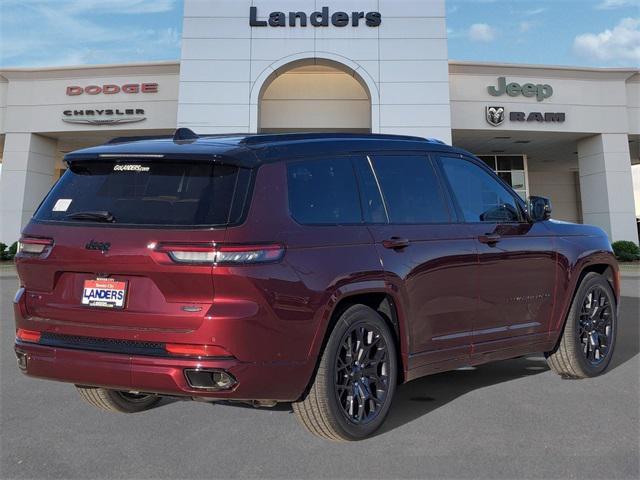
column 380, row 66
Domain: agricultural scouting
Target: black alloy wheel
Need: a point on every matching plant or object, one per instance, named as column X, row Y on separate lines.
column 595, row 327
column 588, row 339
column 353, row 387
column 362, row 373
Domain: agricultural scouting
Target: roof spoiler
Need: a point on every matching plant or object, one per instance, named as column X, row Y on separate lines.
column 180, row 135
column 117, row 140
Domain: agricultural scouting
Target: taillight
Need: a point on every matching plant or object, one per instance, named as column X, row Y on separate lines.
column 185, row 350
column 216, row 254
column 30, row 336
column 34, row 246
column 249, row 254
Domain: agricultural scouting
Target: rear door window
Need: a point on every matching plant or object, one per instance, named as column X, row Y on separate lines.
column 411, row 189
column 373, row 207
column 324, row 192
column 152, row 193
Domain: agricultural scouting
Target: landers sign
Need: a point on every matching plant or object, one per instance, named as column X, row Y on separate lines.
column 317, row 19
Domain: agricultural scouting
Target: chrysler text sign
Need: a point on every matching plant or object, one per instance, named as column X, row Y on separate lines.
column 104, row 116
column 321, row 18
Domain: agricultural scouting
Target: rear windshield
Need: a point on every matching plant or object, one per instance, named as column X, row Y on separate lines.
column 152, row 193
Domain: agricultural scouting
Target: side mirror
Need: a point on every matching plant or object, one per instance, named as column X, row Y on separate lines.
column 539, row 209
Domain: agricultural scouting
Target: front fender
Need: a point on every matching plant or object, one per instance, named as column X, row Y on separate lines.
column 576, row 257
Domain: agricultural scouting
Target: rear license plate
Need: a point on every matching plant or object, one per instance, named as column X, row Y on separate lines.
column 104, row 293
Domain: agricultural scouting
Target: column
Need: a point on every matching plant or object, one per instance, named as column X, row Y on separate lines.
column 27, row 176
column 606, row 185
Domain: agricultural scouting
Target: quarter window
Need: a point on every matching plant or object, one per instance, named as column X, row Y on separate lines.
column 411, row 189
column 324, row 192
column 480, row 196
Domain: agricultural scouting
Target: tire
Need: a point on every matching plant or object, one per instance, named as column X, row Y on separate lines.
column 325, row 409
column 115, row 401
column 579, row 353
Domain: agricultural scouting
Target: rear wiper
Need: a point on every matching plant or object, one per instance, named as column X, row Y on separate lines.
column 95, row 216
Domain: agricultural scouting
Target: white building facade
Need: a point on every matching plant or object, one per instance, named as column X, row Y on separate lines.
column 377, row 66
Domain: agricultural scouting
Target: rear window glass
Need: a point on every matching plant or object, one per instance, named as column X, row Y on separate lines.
column 178, row 193
column 324, row 192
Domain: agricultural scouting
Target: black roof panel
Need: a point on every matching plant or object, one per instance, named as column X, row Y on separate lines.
column 252, row 150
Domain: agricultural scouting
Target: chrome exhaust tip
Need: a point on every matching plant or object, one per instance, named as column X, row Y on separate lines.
column 22, row 359
column 209, row 379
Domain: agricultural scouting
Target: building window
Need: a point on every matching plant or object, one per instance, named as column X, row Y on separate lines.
column 512, row 169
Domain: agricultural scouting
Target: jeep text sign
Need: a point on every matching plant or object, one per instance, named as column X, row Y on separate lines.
column 541, row 92
column 317, row 19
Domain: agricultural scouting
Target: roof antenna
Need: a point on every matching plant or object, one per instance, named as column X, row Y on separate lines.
column 184, row 134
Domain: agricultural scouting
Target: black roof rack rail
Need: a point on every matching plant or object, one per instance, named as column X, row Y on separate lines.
column 257, row 139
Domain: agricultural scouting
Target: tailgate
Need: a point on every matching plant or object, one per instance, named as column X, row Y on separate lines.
column 160, row 295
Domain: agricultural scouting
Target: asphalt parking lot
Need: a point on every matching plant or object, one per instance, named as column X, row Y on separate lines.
column 511, row 419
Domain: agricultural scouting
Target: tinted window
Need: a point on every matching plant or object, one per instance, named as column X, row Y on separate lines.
column 372, row 204
column 411, row 190
column 324, row 192
column 185, row 194
column 480, row 196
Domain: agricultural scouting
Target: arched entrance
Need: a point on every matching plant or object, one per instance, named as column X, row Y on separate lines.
column 314, row 95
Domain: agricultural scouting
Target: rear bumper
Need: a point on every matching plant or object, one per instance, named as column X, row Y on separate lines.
column 283, row 381
column 265, row 366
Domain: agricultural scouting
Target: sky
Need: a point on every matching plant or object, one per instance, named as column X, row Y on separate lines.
column 602, row 33
column 562, row 32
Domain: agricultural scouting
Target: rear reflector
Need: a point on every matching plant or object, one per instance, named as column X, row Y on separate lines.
column 196, row 350
column 34, row 246
column 216, row 254
column 28, row 335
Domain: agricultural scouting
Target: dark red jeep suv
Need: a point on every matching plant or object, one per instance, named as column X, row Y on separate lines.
column 318, row 269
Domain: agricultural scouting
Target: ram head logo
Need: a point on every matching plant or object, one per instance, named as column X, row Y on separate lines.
column 495, row 116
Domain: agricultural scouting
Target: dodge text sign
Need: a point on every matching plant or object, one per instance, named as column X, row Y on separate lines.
column 111, row 89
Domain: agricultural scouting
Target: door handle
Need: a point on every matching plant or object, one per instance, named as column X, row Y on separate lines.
column 396, row 243
column 490, row 239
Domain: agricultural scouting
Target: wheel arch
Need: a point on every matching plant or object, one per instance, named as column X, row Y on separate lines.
column 380, row 300
column 604, row 269
column 601, row 266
